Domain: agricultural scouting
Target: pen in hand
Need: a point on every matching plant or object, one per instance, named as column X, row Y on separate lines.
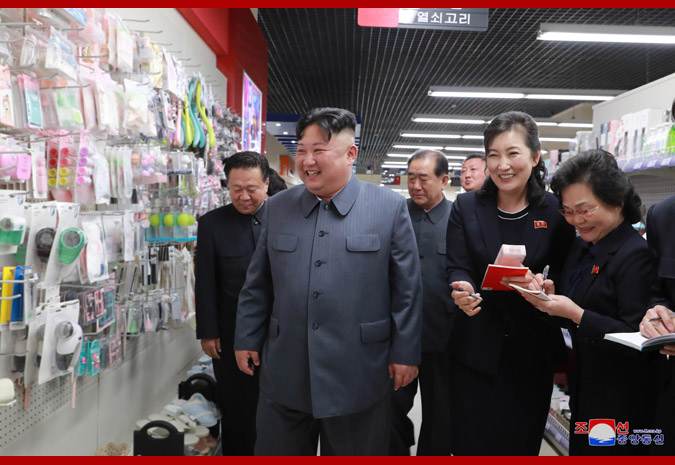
column 651, row 320
column 459, row 289
column 545, row 273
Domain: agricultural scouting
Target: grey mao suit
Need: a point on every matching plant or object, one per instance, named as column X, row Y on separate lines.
column 332, row 296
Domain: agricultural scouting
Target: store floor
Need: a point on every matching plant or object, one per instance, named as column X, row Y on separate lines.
column 416, row 417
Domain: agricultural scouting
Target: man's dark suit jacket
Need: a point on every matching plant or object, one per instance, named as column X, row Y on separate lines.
column 660, row 228
column 611, row 381
column 225, row 245
column 473, row 242
column 430, row 231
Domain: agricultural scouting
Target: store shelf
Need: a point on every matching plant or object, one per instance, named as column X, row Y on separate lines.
column 647, row 162
column 557, row 432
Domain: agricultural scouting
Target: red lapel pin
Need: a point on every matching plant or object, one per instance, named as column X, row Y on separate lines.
column 540, row 224
column 595, row 270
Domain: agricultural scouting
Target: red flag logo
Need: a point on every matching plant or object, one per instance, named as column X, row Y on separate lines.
column 595, row 270
column 540, row 224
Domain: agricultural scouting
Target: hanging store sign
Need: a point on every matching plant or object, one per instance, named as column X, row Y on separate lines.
column 456, row 19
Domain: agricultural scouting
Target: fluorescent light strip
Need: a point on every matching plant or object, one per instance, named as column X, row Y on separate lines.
column 606, row 33
column 563, row 124
column 575, row 125
column 465, row 149
column 401, row 155
column 555, row 139
column 444, row 93
column 431, row 136
column 616, row 38
column 430, row 147
column 448, row 120
column 595, row 98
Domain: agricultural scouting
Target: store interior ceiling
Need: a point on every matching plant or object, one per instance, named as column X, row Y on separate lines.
column 321, row 57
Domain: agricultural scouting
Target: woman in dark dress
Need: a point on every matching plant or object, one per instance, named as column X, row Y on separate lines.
column 503, row 351
column 605, row 288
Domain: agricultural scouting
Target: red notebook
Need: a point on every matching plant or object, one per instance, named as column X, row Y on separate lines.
column 495, row 273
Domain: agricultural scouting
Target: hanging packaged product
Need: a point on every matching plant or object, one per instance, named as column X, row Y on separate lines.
column 94, row 262
column 62, row 341
column 125, row 47
column 41, row 235
column 12, row 220
column 6, row 98
column 30, row 100
column 39, row 171
column 60, row 55
column 67, row 244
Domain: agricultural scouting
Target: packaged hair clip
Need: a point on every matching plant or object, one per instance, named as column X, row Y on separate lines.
column 60, row 55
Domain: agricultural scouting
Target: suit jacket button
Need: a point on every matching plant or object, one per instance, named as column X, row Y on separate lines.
column 322, row 233
column 315, row 326
column 317, row 263
column 315, row 294
column 326, row 207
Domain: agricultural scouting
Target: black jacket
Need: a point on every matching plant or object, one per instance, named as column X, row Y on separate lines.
column 226, row 240
column 473, row 242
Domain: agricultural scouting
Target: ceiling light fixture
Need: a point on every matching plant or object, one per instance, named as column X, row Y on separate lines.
column 529, row 93
column 552, row 122
column 456, row 120
column 605, row 33
column 465, row 149
column 401, row 155
column 430, row 147
column 433, row 136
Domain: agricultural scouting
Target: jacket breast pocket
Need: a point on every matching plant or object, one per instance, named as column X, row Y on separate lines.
column 442, row 248
column 667, row 267
column 285, row 243
column 376, row 331
column 363, row 243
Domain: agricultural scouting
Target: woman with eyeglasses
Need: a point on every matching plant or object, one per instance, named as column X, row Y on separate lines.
column 503, row 351
column 604, row 288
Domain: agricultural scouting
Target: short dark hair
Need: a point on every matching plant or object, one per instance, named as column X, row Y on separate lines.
column 441, row 167
column 598, row 169
column 330, row 120
column 512, row 121
column 474, row 155
column 248, row 160
column 277, row 183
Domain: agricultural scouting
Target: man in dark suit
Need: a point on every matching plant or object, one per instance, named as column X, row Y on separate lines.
column 226, row 240
column 660, row 226
column 333, row 300
column 429, row 211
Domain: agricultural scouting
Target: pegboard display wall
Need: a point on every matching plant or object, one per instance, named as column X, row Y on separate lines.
column 45, row 400
column 652, row 189
column 150, row 359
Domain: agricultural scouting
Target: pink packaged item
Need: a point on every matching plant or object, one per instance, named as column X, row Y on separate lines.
column 511, row 255
column 15, row 165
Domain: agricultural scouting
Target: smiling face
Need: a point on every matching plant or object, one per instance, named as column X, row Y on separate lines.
column 247, row 189
column 424, row 187
column 325, row 166
column 473, row 174
column 592, row 225
column 510, row 162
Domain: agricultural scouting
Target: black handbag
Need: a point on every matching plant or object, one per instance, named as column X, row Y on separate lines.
column 146, row 445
